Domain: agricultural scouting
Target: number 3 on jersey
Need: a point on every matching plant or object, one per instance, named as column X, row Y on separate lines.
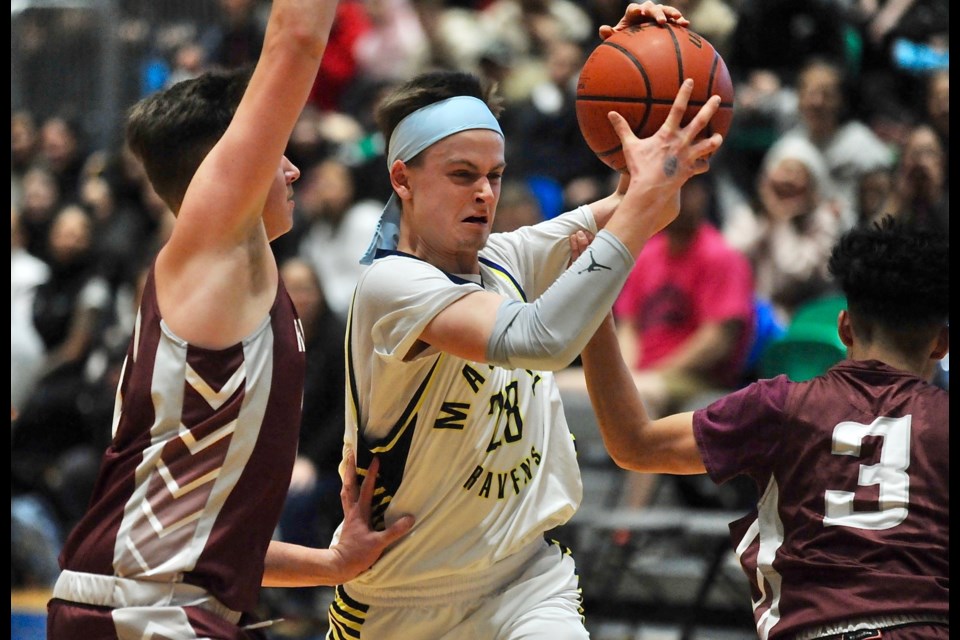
column 890, row 474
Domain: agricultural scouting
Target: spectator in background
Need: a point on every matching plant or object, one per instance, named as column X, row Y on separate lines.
column 715, row 20
column 456, row 35
column 529, row 28
column 920, row 193
column 937, row 109
column 237, row 37
column 39, row 202
column 339, row 67
column 543, row 135
column 788, row 229
column 24, row 149
column 27, row 272
column 120, row 231
column 339, row 229
column 395, row 47
column 63, row 152
column 874, row 194
column 68, row 314
column 780, row 36
column 827, row 121
column 902, row 41
column 189, row 61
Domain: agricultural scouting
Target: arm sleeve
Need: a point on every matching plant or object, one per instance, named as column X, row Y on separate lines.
column 549, row 333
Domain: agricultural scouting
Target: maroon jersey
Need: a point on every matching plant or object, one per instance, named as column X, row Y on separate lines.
column 204, row 442
column 852, row 470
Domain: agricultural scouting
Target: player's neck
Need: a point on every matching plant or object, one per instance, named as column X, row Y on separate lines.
column 919, row 365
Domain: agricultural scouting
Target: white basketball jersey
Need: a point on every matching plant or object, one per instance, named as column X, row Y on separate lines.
column 480, row 455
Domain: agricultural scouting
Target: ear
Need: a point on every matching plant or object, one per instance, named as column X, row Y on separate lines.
column 399, row 179
column 845, row 328
column 942, row 346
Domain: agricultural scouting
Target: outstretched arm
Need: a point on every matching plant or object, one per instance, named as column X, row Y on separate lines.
column 218, row 255
column 291, row 565
column 227, row 194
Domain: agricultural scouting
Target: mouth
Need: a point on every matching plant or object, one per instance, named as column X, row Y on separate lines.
column 482, row 220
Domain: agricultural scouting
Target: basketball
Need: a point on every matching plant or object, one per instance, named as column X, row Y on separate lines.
column 637, row 72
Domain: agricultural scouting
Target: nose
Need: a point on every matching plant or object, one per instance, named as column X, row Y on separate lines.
column 290, row 171
column 485, row 190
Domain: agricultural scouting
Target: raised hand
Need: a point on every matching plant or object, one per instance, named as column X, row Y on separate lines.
column 661, row 164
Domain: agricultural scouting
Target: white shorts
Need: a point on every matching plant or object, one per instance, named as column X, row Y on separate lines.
column 543, row 602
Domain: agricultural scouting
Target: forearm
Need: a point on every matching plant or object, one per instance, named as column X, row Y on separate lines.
column 549, row 333
column 291, row 565
column 621, row 415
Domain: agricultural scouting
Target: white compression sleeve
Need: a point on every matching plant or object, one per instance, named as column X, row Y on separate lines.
column 549, row 333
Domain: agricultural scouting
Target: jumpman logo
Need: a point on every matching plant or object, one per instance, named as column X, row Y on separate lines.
column 594, row 265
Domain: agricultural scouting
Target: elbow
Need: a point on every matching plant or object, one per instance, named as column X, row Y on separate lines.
column 625, row 455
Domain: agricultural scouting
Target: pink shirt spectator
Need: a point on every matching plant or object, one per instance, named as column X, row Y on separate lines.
column 669, row 296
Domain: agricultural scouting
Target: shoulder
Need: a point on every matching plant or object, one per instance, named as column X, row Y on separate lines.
column 401, row 279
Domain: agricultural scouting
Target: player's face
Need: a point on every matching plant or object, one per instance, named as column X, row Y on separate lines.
column 454, row 191
column 278, row 210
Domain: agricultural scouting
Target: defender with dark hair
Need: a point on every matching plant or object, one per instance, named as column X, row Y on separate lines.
column 850, row 536
column 177, row 539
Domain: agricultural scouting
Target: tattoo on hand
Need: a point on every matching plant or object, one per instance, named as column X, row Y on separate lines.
column 670, row 166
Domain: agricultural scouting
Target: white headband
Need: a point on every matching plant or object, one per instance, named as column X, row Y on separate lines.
column 413, row 134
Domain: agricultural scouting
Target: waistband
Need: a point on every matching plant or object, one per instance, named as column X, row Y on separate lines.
column 115, row 592
column 846, row 629
column 450, row 589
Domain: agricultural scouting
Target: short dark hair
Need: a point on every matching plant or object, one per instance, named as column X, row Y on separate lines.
column 896, row 278
column 426, row 89
column 173, row 130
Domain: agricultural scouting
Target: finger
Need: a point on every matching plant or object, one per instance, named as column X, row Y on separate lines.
column 645, row 12
column 702, row 119
column 703, row 150
column 606, row 31
column 674, row 15
column 679, row 107
column 707, row 146
column 396, row 530
column 621, row 127
column 348, row 493
column 367, row 489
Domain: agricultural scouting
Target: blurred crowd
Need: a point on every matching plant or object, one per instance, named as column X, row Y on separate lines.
column 842, row 115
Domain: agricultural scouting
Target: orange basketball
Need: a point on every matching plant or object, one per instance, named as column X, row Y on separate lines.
column 637, row 73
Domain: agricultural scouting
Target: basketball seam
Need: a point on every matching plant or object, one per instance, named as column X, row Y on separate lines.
column 678, row 54
column 646, row 84
column 713, row 71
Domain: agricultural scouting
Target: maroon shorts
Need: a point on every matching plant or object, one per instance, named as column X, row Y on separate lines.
column 70, row 620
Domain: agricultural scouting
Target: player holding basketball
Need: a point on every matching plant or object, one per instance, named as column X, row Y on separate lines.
column 452, row 337
column 850, row 538
column 177, row 538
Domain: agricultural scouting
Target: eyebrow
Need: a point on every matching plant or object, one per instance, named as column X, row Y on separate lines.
column 463, row 161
